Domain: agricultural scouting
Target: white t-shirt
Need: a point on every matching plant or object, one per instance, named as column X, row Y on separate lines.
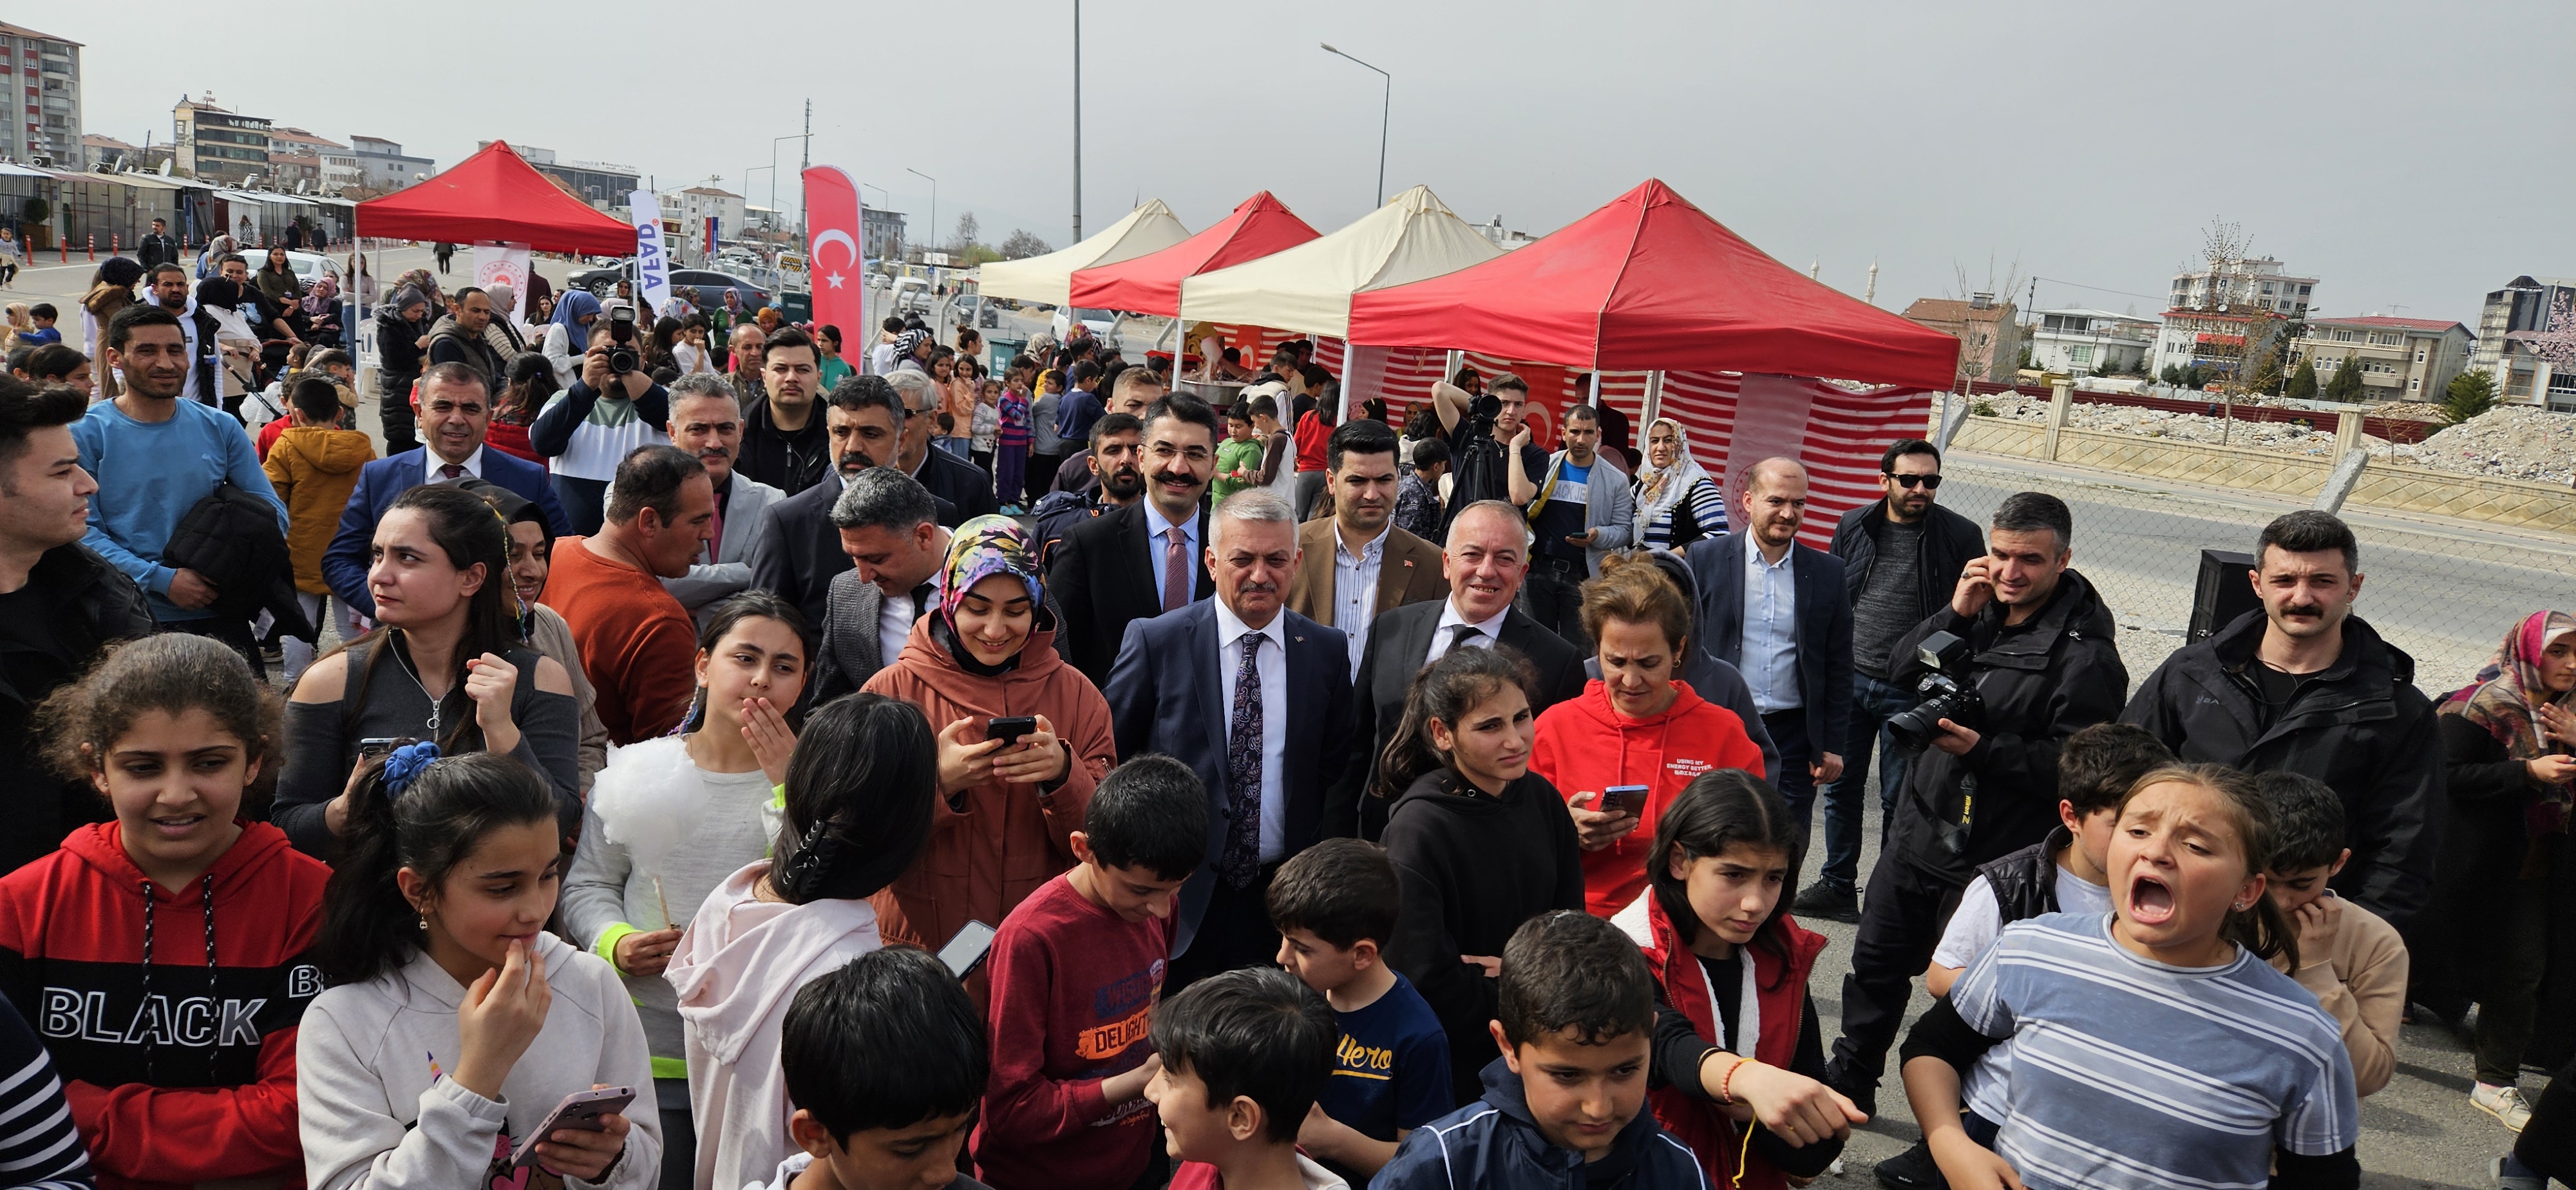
column 1973, row 927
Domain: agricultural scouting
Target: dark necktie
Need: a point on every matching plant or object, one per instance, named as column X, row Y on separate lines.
column 1460, row 634
column 1176, row 571
column 451, row 470
column 1241, row 861
column 921, row 597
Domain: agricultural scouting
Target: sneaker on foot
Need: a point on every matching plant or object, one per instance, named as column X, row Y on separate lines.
column 1912, row 1169
column 2506, row 1104
column 1864, row 1097
column 1825, row 901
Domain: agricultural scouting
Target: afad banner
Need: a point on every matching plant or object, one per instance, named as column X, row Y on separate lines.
column 652, row 263
column 832, row 219
column 504, row 264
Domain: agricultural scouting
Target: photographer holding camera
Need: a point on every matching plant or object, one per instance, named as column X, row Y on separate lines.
column 2026, row 656
column 588, row 428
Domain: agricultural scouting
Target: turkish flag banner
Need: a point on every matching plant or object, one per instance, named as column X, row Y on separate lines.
column 832, row 257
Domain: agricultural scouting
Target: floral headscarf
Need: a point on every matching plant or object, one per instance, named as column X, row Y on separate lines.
column 2499, row 702
column 983, row 547
column 1660, row 488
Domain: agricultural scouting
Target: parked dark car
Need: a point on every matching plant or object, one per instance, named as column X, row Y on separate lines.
column 708, row 286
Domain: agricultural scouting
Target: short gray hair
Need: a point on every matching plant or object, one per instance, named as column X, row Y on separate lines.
column 1505, row 509
column 883, row 498
column 909, row 383
column 702, row 384
column 1250, row 506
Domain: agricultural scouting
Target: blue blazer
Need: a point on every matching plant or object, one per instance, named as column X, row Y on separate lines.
column 344, row 565
column 1823, row 625
column 1165, row 695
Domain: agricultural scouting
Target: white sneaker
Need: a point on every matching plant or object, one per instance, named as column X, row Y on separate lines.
column 2506, row 1104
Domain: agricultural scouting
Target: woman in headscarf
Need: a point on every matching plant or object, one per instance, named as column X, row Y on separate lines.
column 1007, row 812
column 110, row 290
column 2505, row 870
column 402, row 343
column 568, row 334
column 1677, row 503
column 322, row 310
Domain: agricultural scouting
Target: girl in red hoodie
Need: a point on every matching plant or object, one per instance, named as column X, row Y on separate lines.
column 1638, row 724
column 162, row 956
column 1736, row 1037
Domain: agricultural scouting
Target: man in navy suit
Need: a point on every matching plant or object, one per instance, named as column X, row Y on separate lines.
column 454, row 405
column 1779, row 612
column 1254, row 698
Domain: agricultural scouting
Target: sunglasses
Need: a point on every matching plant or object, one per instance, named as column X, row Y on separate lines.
column 1929, row 483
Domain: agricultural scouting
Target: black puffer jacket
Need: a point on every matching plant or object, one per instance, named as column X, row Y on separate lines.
column 1949, row 540
column 2025, row 881
column 93, row 605
column 2359, row 725
column 2043, row 680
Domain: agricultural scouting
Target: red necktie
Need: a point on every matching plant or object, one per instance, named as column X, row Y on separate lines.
column 1176, row 571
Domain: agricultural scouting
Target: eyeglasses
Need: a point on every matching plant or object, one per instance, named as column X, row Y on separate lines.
column 1165, row 452
column 1929, row 483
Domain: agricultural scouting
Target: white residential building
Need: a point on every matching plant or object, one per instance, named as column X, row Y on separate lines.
column 2087, row 342
column 2401, row 359
column 685, row 214
column 2237, row 286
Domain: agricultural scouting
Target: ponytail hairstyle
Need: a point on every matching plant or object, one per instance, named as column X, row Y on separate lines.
column 859, row 794
column 173, row 673
column 750, row 605
column 2260, row 927
column 1445, row 690
column 471, row 533
column 428, row 815
column 1722, row 808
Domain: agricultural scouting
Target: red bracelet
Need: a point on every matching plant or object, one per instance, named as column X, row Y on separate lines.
column 1725, row 1093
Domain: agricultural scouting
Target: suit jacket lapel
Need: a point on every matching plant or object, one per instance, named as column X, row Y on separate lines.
column 1316, row 572
column 1395, row 577
column 1204, row 584
column 1305, row 698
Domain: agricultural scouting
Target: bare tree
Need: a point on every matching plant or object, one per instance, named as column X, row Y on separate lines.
column 1020, row 245
column 2255, row 361
column 967, row 229
column 1980, row 342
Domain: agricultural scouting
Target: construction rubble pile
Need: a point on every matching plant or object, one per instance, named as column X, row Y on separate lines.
column 2517, row 442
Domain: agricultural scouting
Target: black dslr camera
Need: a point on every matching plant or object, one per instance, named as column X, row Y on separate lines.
column 1948, row 692
column 621, row 340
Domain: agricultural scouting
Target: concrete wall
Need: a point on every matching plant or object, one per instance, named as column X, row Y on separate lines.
column 2395, row 487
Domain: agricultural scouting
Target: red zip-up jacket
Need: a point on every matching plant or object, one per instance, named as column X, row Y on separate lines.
column 179, row 1068
column 1584, row 745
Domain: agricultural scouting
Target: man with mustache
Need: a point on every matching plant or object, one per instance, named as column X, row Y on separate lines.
column 799, row 549
column 2305, row 686
column 784, row 443
column 1149, row 557
column 1356, row 565
column 1485, row 562
column 707, row 422
column 1252, row 696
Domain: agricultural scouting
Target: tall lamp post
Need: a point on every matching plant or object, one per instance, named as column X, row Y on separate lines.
column 1077, row 121
column 934, row 204
column 1386, row 108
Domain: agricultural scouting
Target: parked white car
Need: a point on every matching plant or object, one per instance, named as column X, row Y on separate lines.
column 1103, row 324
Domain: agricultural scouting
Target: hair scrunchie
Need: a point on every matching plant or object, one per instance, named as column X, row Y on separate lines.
column 405, row 765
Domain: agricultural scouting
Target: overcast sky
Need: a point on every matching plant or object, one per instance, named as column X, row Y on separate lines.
column 2411, row 156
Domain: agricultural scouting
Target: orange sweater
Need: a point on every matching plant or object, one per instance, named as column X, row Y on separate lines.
column 1584, row 745
column 638, row 645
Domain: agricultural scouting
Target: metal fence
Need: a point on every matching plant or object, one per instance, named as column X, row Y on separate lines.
column 2445, row 595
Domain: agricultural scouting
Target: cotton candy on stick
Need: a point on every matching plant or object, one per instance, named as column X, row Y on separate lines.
column 648, row 797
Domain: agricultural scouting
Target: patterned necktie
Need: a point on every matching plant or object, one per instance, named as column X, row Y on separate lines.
column 451, row 470
column 1241, row 861
column 1176, row 571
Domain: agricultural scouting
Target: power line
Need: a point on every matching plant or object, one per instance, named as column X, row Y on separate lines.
column 2153, row 297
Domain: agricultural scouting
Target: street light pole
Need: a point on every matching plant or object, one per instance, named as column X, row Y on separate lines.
column 934, row 204
column 1077, row 121
column 1386, row 109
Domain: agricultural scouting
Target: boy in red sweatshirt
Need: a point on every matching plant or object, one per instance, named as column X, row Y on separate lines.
column 162, row 956
column 1076, row 970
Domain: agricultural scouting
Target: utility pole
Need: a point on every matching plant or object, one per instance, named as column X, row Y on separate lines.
column 805, row 161
column 1077, row 121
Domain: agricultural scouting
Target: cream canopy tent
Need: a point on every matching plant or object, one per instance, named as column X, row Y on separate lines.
column 1308, row 288
column 1049, row 278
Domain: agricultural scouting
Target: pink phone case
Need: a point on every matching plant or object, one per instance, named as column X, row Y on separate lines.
column 580, row 1110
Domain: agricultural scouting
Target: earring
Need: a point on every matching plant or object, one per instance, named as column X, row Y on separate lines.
column 424, row 921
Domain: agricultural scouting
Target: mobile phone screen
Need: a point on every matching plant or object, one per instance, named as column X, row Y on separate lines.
column 967, row 949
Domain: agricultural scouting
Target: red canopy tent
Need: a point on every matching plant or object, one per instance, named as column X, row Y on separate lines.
column 1151, row 284
column 495, row 197
column 1650, row 282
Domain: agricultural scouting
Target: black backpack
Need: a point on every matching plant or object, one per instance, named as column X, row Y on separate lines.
column 231, row 537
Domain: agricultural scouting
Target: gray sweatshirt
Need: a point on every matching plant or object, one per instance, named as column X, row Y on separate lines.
column 376, row 1110
column 606, row 896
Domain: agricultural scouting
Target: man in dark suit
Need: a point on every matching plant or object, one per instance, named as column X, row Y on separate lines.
column 960, row 483
column 1149, row 557
column 1779, row 612
column 1254, row 698
column 1485, row 562
column 1355, row 565
column 799, row 550
column 454, row 406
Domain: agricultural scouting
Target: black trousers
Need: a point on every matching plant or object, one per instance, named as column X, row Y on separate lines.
column 393, row 408
column 2548, row 1142
column 1234, row 933
column 1901, row 918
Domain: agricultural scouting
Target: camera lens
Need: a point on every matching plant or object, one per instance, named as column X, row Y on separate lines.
column 1913, row 728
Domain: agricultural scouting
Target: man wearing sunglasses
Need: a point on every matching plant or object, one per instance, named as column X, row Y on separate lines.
column 1901, row 560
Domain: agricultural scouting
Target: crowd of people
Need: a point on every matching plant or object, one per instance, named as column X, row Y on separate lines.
column 1266, row 782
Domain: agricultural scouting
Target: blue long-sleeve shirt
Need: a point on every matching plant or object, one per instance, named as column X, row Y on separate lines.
column 149, row 475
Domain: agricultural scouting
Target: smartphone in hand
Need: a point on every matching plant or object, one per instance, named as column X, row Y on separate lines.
column 1622, row 799
column 581, row 1111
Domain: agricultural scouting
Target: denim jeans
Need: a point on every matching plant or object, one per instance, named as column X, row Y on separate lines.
column 1873, row 703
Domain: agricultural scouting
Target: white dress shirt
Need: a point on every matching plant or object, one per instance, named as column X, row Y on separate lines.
column 1491, row 631
column 1158, row 542
column 1355, row 588
column 1271, row 661
column 895, row 617
column 430, row 464
column 1771, row 629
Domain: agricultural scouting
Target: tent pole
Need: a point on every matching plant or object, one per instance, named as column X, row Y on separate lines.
column 1654, row 396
